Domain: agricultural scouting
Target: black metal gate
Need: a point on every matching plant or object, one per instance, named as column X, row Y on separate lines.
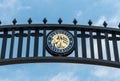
column 26, row 43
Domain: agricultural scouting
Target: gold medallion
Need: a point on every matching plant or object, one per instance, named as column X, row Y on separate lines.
column 60, row 43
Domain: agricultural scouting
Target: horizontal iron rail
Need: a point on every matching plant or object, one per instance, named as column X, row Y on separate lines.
column 60, row 60
column 59, row 26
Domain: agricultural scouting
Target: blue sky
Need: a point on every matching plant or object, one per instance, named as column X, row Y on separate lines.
column 83, row 10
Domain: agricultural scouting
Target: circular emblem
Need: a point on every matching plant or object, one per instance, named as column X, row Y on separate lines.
column 60, row 43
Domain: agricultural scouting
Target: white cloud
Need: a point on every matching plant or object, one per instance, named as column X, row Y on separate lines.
column 23, row 8
column 13, row 74
column 64, row 77
column 100, row 21
column 105, row 73
column 12, row 5
column 7, row 3
column 112, row 22
column 79, row 14
column 9, row 8
column 5, row 80
column 116, row 2
column 114, row 19
column 100, row 72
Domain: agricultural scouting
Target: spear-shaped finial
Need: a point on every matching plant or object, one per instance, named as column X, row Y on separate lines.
column 89, row 22
column 0, row 22
column 119, row 25
column 29, row 21
column 59, row 20
column 14, row 21
column 75, row 21
column 105, row 24
column 44, row 20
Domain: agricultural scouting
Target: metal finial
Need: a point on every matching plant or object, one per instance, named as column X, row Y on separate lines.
column 44, row 20
column 29, row 21
column 14, row 21
column 0, row 22
column 119, row 25
column 90, row 22
column 75, row 21
column 59, row 20
column 105, row 24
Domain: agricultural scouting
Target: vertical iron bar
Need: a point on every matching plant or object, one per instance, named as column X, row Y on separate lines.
column 92, row 45
column 44, row 42
column 115, row 48
column 28, row 44
column 12, row 44
column 99, row 46
column 19, row 54
column 4, row 44
column 36, row 43
column 76, row 43
column 107, row 46
column 84, row 55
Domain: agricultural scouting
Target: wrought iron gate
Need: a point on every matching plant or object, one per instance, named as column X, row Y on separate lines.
column 26, row 43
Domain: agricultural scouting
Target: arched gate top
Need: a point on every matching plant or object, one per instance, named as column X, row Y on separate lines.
column 27, row 43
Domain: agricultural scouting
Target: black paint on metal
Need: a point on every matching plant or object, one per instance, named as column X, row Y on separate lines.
column 12, row 44
column 28, row 44
column 76, row 43
column 86, row 32
column 36, row 42
column 115, row 48
column 20, row 43
column 44, row 43
column 100, row 54
column 83, row 40
column 4, row 44
column 107, row 47
column 92, row 45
